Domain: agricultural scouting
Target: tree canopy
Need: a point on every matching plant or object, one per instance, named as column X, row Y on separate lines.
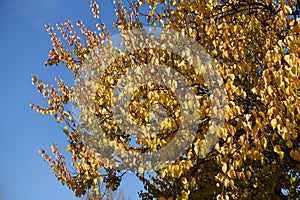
column 255, row 45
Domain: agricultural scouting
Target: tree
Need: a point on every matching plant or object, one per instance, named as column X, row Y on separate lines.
column 255, row 46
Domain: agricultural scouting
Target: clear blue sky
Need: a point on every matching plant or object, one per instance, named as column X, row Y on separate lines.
column 24, row 48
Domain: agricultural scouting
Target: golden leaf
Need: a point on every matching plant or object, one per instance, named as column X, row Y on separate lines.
column 274, row 123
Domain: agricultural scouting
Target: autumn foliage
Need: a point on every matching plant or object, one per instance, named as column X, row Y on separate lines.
column 256, row 48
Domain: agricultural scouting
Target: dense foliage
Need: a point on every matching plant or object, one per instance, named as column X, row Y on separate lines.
column 256, row 47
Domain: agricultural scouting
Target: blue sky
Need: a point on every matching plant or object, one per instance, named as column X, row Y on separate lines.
column 24, row 48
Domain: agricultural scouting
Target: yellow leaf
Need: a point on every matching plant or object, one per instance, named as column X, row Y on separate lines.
column 69, row 148
column 270, row 90
column 95, row 190
column 95, row 181
column 193, row 182
column 248, row 116
column 66, row 131
column 274, row 123
column 289, row 144
column 281, row 155
column 255, row 185
column 231, row 182
column 196, row 149
column 293, row 155
column 226, row 182
column 277, row 148
column 185, row 182
column 287, row 9
column 140, row 170
column 224, row 167
column 249, row 174
column 265, row 143
column 231, row 174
